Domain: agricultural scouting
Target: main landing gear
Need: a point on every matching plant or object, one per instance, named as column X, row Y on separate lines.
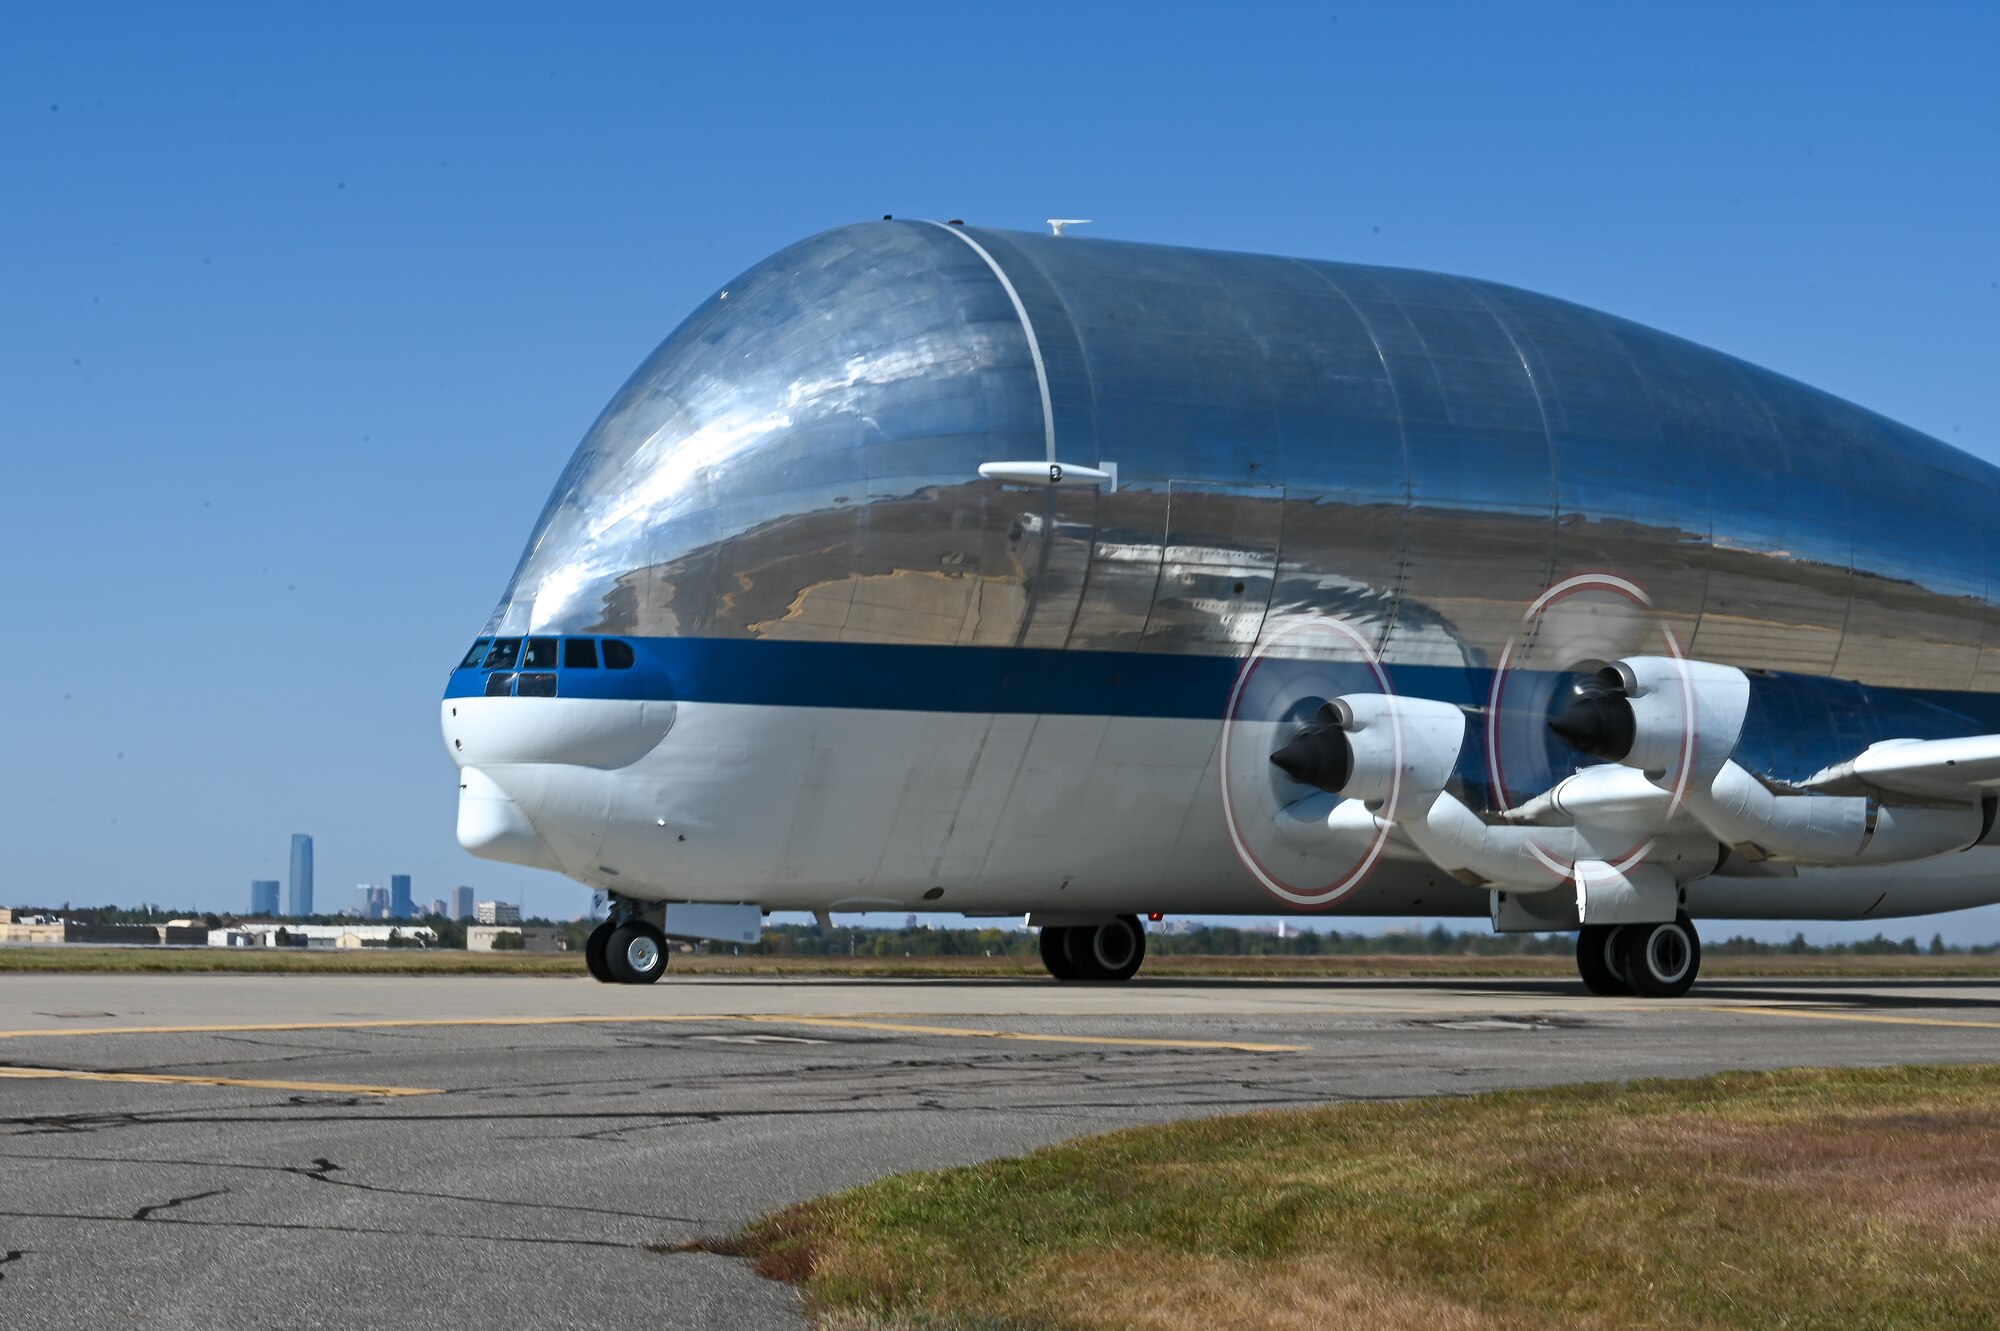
column 1094, row 951
column 626, row 950
column 1650, row 960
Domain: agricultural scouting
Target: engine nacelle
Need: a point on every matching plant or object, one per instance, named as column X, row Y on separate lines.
column 1370, row 746
column 1827, row 829
column 1660, row 714
column 1536, row 859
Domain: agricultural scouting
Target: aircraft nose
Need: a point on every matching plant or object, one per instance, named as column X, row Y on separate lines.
column 584, row 732
column 493, row 826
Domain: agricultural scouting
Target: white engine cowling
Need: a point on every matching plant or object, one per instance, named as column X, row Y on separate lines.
column 1661, row 714
column 1375, row 746
column 1678, row 721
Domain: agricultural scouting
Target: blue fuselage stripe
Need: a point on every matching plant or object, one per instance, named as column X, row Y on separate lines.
column 897, row 677
column 1797, row 723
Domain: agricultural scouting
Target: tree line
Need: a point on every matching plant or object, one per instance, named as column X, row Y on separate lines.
column 1207, row 940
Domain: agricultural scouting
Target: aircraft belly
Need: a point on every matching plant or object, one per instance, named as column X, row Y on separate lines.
column 873, row 810
column 876, row 808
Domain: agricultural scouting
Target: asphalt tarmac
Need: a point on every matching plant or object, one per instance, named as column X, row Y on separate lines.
column 358, row 1151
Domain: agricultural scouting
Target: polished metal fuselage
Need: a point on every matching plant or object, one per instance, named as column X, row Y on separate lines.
column 1421, row 456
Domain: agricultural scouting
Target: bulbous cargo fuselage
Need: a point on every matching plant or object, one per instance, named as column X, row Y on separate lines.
column 860, row 675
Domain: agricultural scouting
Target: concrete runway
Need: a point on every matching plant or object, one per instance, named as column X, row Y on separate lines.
column 307, row 1151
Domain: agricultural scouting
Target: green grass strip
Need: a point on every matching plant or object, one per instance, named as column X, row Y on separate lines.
column 1846, row 1200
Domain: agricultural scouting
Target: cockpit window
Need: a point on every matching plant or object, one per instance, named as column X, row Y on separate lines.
column 618, row 655
column 499, row 684
column 504, row 653
column 580, row 653
column 475, row 656
column 536, row 686
column 541, row 654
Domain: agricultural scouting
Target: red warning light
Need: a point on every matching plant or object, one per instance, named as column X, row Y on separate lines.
column 1155, row 916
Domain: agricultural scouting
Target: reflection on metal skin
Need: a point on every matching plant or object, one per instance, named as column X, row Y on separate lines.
column 1418, row 454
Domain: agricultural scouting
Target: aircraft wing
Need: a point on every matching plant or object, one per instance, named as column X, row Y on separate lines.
column 1953, row 769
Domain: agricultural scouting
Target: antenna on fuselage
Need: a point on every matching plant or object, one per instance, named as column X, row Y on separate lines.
column 1059, row 224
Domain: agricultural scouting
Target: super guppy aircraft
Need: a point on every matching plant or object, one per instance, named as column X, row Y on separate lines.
column 932, row 567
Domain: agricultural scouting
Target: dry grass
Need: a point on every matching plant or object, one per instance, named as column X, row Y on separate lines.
column 1813, row 1199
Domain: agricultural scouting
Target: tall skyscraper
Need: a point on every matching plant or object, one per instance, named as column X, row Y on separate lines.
column 461, row 903
column 264, row 897
column 400, row 905
column 300, row 900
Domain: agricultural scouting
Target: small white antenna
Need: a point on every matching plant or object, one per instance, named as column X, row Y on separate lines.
column 1060, row 224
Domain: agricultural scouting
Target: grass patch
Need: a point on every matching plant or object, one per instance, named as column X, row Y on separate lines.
column 84, row 959
column 1855, row 1200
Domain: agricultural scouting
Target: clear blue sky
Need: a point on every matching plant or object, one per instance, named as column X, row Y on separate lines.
column 305, row 309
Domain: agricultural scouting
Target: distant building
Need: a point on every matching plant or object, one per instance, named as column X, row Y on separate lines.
column 399, row 897
column 300, row 899
column 29, row 927
column 461, row 903
column 371, row 901
column 188, row 931
column 534, row 938
column 77, row 932
column 437, row 906
column 264, row 897
column 317, row 935
column 497, row 912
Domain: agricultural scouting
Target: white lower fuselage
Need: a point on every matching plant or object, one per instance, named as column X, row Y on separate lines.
column 851, row 809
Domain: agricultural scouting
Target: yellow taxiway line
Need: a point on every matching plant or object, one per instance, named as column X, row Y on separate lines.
column 767, row 1019
column 1824, row 1014
column 1143, row 1042
column 166, row 1079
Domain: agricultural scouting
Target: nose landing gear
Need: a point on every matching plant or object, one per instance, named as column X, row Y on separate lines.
column 625, row 950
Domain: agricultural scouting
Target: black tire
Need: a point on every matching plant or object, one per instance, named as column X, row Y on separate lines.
column 1598, row 960
column 593, row 953
column 636, row 953
column 1109, row 953
column 1662, row 960
column 1055, row 955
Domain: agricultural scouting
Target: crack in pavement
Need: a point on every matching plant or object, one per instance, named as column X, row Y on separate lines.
column 12, row 1255
column 858, row 1102
column 146, row 1212
column 320, row 1170
column 84, row 1123
column 282, row 1226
